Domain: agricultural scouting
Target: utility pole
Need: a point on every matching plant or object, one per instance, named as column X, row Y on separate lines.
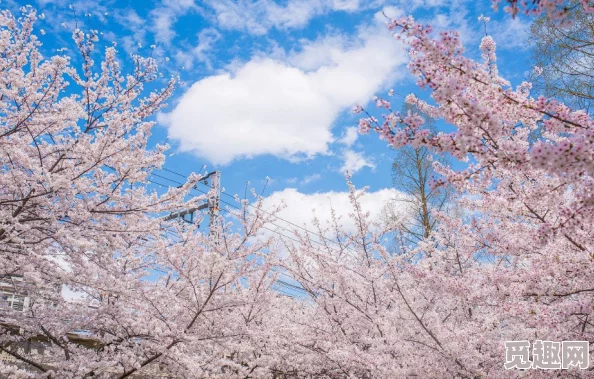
column 213, row 180
column 214, row 197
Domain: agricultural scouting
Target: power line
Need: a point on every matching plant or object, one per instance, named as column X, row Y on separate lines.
column 281, row 282
column 173, row 172
column 250, row 205
column 236, row 207
column 264, row 227
column 159, row 184
column 278, row 281
column 171, row 180
column 288, row 222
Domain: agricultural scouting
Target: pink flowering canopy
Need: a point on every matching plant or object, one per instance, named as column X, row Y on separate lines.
column 555, row 9
column 115, row 291
column 517, row 263
column 111, row 289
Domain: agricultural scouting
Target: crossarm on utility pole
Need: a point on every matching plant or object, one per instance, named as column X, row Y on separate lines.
column 185, row 212
column 212, row 202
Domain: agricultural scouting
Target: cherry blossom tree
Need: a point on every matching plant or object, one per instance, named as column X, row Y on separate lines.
column 79, row 217
column 374, row 314
column 518, row 265
column 160, row 297
column 555, row 9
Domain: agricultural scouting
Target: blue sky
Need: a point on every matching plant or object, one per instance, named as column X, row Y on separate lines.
column 267, row 86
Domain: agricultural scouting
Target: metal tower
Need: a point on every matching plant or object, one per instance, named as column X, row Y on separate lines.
column 213, row 180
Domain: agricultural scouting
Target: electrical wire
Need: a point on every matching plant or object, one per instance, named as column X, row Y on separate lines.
column 250, row 205
column 281, row 282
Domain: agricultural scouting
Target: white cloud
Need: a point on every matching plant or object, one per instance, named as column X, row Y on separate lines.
column 412, row 5
column 311, row 178
column 355, row 161
column 266, row 108
column 258, row 16
column 165, row 16
column 350, row 136
column 301, row 208
column 201, row 52
column 391, row 12
column 456, row 18
column 206, row 38
column 314, row 55
column 510, row 34
column 346, row 5
column 130, row 20
column 270, row 106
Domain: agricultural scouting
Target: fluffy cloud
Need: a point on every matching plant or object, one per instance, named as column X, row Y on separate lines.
column 301, row 208
column 349, row 137
column 284, row 107
column 257, row 17
column 355, row 161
